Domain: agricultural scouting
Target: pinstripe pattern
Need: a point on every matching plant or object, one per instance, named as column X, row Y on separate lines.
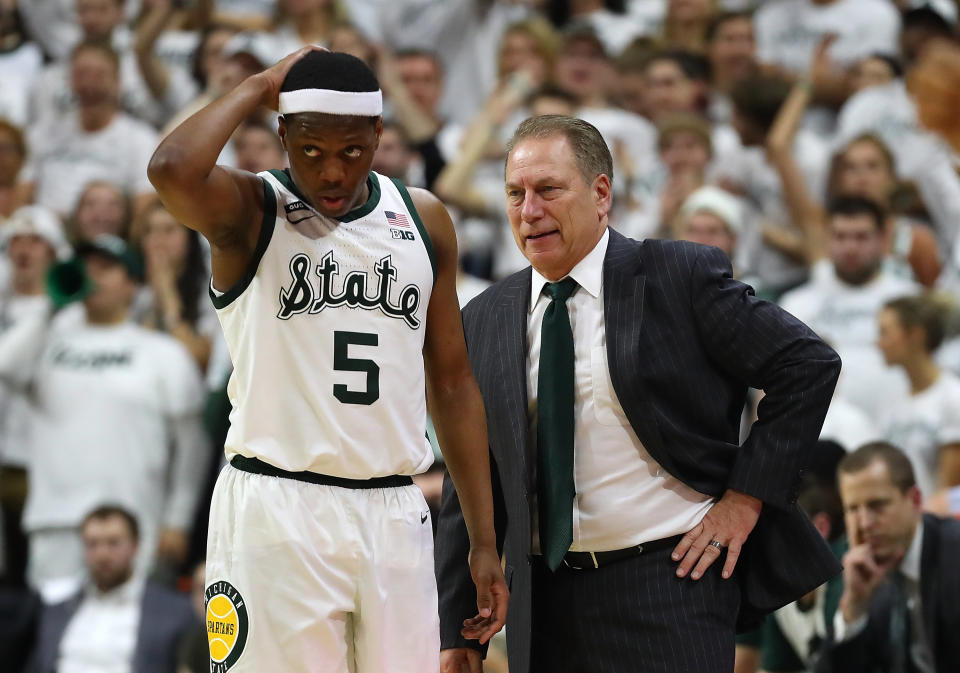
column 633, row 615
column 684, row 341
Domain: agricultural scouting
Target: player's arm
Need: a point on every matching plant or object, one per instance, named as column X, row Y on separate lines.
column 223, row 204
column 458, row 416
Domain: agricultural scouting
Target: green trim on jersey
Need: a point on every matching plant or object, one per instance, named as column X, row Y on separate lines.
column 263, row 240
column 427, row 243
column 360, row 211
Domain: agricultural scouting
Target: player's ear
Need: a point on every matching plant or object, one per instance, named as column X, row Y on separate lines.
column 282, row 131
column 376, row 145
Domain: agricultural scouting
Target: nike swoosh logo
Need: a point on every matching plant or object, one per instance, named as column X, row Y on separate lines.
column 423, row 518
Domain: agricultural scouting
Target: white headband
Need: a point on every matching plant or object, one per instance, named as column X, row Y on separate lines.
column 330, row 101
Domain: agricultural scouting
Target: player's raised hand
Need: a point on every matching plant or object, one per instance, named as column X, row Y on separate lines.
column 275, row 74
column 492, row 596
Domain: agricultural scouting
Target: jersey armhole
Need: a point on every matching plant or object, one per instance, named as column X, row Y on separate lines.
column 427, row 243
column 221, row 301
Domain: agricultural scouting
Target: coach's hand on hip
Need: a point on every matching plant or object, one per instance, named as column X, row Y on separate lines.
column 460, row 660
column 725, row 527
column 492, row 596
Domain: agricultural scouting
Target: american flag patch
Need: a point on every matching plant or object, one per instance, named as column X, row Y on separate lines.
column 396, row 219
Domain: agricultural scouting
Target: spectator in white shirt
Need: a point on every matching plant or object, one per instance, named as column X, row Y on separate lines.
column 845, row 294
column 118, row 623
column 101, row 21
column 34, row 240
column 926, row 425
column 115, row 416
column 789, row 31
column 96, row 142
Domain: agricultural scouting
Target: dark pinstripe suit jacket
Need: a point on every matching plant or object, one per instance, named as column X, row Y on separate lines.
column 684, row 341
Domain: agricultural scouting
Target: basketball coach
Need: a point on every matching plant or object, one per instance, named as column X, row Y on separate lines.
column 637, row 532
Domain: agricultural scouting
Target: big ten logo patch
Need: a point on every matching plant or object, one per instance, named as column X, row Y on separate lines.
column 227, row 625
column 402, row 235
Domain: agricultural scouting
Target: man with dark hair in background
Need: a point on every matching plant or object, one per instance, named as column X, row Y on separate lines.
column 900, row 609
column 117, row 622
column 844, row 296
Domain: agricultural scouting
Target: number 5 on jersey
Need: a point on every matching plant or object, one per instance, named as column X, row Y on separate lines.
column 344, row 363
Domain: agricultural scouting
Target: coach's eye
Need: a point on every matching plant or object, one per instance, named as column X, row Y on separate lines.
column 311, row 151
column 353, row 152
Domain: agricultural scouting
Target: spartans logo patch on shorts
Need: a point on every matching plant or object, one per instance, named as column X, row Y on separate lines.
column 226, row 625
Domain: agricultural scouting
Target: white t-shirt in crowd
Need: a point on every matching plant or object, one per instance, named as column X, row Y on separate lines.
column 106, row 402
column 14, row 408
column 845, row 316
column 922, row 423
column 848, row 425
column 650, row 14
column 463, row 33
column 788, row 31
column 51, row 97
column 616, row 31
column 101, row 636
column 18, row 70
column 65, row 158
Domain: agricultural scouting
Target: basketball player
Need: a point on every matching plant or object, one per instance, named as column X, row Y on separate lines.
column 335, row 289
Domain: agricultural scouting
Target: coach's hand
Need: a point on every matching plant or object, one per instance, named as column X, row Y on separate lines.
column 729, row 522
column 460, row 660
column 492, row 596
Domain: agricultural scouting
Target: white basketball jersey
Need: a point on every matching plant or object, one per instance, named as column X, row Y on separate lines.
column 326, row 333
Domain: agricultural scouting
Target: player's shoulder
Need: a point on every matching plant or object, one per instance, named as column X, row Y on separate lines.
column 425, row 201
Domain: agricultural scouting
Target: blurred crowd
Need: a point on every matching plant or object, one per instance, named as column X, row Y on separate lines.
column 784, row 132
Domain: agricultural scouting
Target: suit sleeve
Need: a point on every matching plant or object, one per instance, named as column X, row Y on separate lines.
column 767, row 348
column 456, row 592
column 859, row 653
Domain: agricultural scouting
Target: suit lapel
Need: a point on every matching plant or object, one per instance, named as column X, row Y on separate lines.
column 624, row 282
column 511, row 359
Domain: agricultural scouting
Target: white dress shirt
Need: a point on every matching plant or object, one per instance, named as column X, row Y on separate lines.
column 920, row 652
column 102, row 634
column 623, row 496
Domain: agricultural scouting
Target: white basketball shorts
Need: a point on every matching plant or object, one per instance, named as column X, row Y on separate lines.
column 321, row 579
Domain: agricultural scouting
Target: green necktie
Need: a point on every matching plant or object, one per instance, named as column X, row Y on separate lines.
column 555, row 489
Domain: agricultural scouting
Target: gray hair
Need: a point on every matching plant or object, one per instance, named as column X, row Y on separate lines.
column 589, row 148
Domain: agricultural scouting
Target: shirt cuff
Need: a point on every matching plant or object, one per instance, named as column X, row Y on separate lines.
column 842, row 631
